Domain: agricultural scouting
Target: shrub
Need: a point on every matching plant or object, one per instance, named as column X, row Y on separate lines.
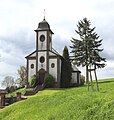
column 11, row 89
column 82, row 79
column 8, row 89
column 49, row 81
column 33, row 80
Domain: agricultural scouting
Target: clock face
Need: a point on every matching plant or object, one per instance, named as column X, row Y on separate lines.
column 42, row 38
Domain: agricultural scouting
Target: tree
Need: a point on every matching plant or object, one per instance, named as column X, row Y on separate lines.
column 82, row 79
column 22, row 72
column 8, row 81
column 66, row 70
column 49, row 81
column 33, row 80
column 86, row 51
column 67, row 58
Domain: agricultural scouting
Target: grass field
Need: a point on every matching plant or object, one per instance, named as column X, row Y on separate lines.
column 65, row 104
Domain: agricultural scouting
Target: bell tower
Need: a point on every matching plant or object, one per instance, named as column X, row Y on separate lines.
column 43, row 36
column 43, row 46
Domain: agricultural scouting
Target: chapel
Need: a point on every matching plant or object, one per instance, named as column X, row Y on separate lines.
column 45, row 59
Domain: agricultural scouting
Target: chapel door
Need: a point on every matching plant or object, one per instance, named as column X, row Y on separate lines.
column 41, row 76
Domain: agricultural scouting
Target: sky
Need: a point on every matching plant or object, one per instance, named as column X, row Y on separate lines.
column 19, row 19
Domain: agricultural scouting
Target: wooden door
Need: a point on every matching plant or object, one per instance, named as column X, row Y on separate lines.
column 41, row 76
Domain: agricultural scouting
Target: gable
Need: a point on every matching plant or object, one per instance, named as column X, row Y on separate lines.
column 75, row 69
column 54, row 53
column 32, row 55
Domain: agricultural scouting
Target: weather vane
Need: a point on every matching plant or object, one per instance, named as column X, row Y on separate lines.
column 44, row 14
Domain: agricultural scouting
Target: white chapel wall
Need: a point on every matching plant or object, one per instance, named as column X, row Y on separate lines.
column 50, row 35
column 52, row 54
column 31, row 71
column 42, row 65
column 42, row 45
column 53, row 70
column 74, row 78
column 33, row 55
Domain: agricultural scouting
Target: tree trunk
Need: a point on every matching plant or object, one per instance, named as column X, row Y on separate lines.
column 91, row 81
column 96, row 80
column 87, row 77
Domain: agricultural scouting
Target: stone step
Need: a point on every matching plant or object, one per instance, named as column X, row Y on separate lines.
column 28, row 92
column 37, row 88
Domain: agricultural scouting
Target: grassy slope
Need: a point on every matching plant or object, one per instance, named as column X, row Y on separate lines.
column 66, row 104
column 22, row 90
column 14, row 93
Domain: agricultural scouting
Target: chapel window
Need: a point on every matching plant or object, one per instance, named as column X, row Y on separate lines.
column 42, row 38
column 52, row 65
column 32, row 66
column 42, row 59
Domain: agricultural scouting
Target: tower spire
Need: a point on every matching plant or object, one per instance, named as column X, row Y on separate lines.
column 44, row 14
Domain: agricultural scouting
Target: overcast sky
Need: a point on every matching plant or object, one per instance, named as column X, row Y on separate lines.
column 19, row 19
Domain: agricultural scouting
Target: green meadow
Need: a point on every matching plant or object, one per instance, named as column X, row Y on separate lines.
column 65, row 104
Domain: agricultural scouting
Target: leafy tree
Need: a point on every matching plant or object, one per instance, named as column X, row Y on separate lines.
column 33, row 80
column 8, row 81
column 86, row 51
column 49, row 81
column 22, row 72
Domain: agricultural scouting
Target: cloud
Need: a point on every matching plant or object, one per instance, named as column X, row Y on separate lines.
column 18, row 19
column 13, row 49
column 59, row 43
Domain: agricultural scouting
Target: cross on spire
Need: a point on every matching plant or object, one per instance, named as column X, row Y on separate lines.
column 44, row 14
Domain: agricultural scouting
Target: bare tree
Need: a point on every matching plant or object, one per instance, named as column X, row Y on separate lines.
column 22, row 72
column 8, row 81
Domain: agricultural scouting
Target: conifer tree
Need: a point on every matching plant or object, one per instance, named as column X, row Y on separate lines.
column 66, row 70
column 86, row 51
column 67, row 58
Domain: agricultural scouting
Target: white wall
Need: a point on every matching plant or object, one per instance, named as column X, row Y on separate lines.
column 50, row 35
column 33, row 55
column 42, row 45
column 53, row 71
column 42, row 65
column 74, row 77
column 52, row 54
column 31, row 71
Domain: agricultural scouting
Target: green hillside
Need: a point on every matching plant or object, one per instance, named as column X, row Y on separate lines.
column 65, row 104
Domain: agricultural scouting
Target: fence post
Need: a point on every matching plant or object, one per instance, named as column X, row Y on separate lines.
column 18, row 96
column 2, row 102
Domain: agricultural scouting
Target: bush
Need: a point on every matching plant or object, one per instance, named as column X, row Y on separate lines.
column 82, row 79
column 33, row 80
column 49, row 81
column 11, row 89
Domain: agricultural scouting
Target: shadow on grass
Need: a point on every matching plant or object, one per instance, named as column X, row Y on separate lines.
column 66, row 88
column 106, row 81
